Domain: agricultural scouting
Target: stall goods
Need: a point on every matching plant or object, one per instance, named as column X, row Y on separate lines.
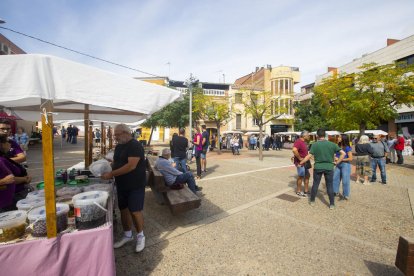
column 12, row 225
column 37, row 218
column 99, row 187
column 69, row 191
column 90, row 209
column 36, row 194
column 30, row 203
column 41, row 185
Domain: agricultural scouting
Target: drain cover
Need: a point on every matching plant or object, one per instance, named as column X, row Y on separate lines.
column 288, row 197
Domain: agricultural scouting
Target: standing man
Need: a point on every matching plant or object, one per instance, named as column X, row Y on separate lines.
column 128, row 168
column 300, row 151
column 399, row 147
column 179, row 147
column 205, row 142
column 379, row 153
column 75, row 132
column 70, row 134
column 323, row 152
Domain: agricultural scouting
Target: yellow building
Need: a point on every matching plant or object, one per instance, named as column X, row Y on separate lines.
column 280, row 81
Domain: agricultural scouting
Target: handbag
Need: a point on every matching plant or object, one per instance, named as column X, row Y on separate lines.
column 308, row 165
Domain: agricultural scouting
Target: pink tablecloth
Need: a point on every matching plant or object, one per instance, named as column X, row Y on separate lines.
column 88, row 252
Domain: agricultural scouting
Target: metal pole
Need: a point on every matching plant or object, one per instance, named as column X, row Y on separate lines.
column 191, row 110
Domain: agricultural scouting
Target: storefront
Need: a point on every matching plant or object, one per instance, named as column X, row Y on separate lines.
column 405, row 123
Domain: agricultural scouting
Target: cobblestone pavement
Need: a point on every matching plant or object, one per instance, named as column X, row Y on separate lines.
column 243, row 227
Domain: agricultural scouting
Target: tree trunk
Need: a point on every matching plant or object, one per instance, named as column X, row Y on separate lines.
column 260, row 143
column 362, row 128
column 150, row 138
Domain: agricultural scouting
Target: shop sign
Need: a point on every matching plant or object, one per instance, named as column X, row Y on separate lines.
column 405, row 117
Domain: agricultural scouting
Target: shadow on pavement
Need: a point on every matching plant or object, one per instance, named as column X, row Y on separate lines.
column 382, row 269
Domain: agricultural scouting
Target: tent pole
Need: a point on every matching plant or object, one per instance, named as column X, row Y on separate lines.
column 86, row 134
column 90, row 145
column 110, row 137
column 103, row 139
column 48, row 167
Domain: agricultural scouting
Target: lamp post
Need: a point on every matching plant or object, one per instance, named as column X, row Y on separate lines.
column 189, row 83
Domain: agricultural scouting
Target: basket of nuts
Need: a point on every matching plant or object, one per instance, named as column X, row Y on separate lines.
column 37, row 218
column 12, row 225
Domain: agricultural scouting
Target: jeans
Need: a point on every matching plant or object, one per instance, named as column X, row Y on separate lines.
column 400, row 157
column 187, row 178
column 317, row 176
column 381, row 164
column 180, row 164
column 198, row 164
column 392, row 155
column 342, row 172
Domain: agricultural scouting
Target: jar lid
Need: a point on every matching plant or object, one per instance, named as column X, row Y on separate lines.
column 39, row 213
column 37, row 193
column 12, row 218
column 29, row 203
column 88, row 198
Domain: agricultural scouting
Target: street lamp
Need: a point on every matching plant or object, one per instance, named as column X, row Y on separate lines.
column 189, row 83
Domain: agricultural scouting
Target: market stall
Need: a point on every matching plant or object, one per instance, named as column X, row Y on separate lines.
column 50, row 87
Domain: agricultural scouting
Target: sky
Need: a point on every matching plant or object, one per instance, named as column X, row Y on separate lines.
column 216, row 41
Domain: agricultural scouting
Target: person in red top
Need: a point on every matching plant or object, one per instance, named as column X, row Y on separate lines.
column 300, row 150
column 399, row 147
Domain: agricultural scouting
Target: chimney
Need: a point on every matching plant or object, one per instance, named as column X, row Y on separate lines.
column 332, row 69
column 391, row 41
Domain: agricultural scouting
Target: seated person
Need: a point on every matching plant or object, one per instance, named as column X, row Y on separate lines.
column 10, row 176
column 173, row 176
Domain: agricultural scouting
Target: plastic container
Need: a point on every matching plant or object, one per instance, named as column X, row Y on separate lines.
column 98, row 187
column 69, row 191
column 12, row 225
column 30, row 203
column 36, row 194
column 90, row 209
column 37, row 218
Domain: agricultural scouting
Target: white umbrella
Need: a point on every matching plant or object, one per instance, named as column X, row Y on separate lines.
column 231, row 132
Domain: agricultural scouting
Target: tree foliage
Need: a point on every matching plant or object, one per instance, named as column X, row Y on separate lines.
column 213, row 110
column 262, row 107
column 311, row 115
column 366, row 98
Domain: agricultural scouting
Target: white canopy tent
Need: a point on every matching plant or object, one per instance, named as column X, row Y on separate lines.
column 372, row 131
column 26, row 80
column 329, row 132
column 231, row 132
column 31, row 85
column 252, row 133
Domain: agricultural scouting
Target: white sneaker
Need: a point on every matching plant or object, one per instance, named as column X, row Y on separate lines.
column 140, row 244
column 123, row 241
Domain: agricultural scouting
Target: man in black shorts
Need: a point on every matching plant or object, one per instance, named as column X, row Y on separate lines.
column 128, row 168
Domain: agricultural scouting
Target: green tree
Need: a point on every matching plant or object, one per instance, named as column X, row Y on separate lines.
column 262, row 107
column 213, row 110
column 310, row 115
column 366, row 98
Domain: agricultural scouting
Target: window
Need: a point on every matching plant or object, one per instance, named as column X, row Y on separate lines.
column 255, row 122
column 238, row 98
column 238, row 121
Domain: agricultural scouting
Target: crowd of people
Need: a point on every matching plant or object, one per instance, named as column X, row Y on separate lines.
column 333, row 161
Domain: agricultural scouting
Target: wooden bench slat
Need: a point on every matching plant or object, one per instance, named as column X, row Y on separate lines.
column 177, row 200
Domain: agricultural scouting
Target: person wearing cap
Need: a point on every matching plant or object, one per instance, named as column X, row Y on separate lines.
column 300, row 151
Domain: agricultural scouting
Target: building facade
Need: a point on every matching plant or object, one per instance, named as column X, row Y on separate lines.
column 395, row 51
column 280, row 82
